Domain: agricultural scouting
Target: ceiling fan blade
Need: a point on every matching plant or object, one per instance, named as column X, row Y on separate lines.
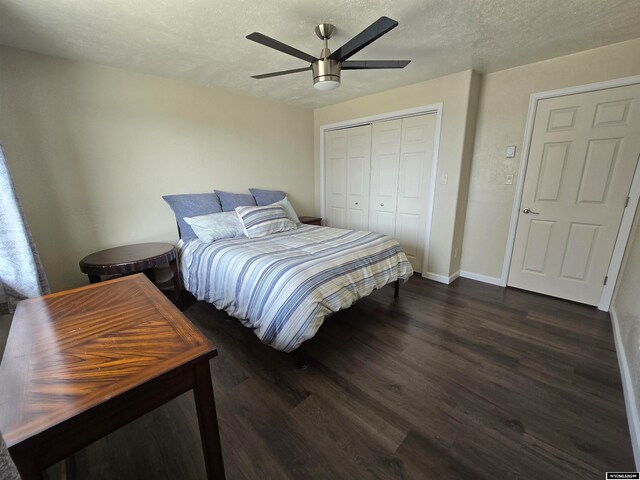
column 283, row 72
column 370, row 64
column 364, row 38
column 282, row 47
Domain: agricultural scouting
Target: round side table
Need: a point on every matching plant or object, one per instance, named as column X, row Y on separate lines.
column 129, row 259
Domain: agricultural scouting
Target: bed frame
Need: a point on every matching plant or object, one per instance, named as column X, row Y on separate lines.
column 301, row 358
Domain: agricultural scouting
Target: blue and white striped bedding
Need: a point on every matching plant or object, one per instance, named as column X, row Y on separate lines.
column 284, row 285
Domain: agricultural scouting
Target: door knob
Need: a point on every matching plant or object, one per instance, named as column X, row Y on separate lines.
column 382, row 204
column 527, row 211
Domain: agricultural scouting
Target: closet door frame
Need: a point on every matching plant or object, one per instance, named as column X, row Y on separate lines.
column 434, row 108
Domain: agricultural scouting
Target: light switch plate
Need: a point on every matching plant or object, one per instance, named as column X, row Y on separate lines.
column 511, row 151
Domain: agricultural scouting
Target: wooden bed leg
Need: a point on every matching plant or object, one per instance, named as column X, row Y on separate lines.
column 396, row 288
column 301, row 358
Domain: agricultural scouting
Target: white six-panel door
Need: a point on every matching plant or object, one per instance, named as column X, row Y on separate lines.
column 584, row 151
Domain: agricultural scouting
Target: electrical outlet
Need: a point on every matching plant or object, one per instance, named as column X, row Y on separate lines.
column 443, row 179
column 511, row 151
column 509, row 180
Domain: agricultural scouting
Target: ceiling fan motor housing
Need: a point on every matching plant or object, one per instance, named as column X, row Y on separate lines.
column 325, row 70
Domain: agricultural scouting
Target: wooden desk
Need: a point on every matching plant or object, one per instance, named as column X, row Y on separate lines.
column 80, row 364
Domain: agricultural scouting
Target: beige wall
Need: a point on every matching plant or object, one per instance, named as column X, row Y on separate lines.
column 453, row 91
column 92, row 149
column 504, row 101
column 465, row 171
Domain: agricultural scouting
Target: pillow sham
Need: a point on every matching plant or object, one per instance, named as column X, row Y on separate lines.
column 216, row 226
column 230, row 201
column 264, row 220
column 190, row 205
column 267, row 197
column 288, row 209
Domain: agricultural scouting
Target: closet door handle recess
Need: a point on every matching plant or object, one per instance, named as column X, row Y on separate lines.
column 382, row 204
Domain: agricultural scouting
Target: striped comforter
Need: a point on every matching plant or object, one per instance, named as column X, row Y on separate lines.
column 284, row 285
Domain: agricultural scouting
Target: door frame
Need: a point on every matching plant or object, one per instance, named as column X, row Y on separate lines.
column 434, row 108
column 634, row 194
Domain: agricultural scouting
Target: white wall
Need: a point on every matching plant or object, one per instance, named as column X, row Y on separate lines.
column 454, row 92
column 92, row 149
column 625, row 313
column 504, row 100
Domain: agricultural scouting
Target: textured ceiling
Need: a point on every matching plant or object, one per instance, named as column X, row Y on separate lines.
column 202, row 41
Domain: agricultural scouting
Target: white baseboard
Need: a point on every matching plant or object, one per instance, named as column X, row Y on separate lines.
column 482, row 278
column 441, row 278
column 627, row 387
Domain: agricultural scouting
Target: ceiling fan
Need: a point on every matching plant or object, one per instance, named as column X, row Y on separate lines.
column 327, row 67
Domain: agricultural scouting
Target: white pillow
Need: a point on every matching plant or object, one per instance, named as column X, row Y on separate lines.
column 261, row 221
column 288, row 209
column 216, row 226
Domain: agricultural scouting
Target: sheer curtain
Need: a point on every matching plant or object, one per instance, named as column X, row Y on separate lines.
column 21, row 273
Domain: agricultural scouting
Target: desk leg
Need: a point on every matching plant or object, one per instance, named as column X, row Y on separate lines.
column 208, row 421
column 26, row 464
column 94, row 279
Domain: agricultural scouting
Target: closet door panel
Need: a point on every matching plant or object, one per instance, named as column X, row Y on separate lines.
column 385, row 222
column 385, row 163
column 416, row 159
column 408, row 234
column 336, row 174
column 358, row 170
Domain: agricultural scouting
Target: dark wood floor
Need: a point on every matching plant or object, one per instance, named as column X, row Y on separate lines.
column 462, row 381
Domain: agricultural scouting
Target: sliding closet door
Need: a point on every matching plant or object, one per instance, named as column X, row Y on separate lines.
column 358, row 168
column 416, row 160
column 336, row 181
column 385, row 162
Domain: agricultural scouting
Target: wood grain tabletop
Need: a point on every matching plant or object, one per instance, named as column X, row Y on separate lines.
column 71, row 351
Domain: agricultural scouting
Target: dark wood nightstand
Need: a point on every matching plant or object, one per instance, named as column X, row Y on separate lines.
column 311, row 220
column 129, row 259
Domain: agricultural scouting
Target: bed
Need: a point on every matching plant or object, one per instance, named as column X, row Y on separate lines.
column 284, row 285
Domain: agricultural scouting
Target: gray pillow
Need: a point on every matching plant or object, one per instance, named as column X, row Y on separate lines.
column 190, row 205
column 230, row 201
column 266, row 197
column 216, row 226
column 288, row 209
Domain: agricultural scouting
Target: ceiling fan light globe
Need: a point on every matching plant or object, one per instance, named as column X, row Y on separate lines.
column 326, row 85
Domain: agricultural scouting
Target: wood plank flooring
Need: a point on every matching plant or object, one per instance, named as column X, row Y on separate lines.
column 461, row 381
